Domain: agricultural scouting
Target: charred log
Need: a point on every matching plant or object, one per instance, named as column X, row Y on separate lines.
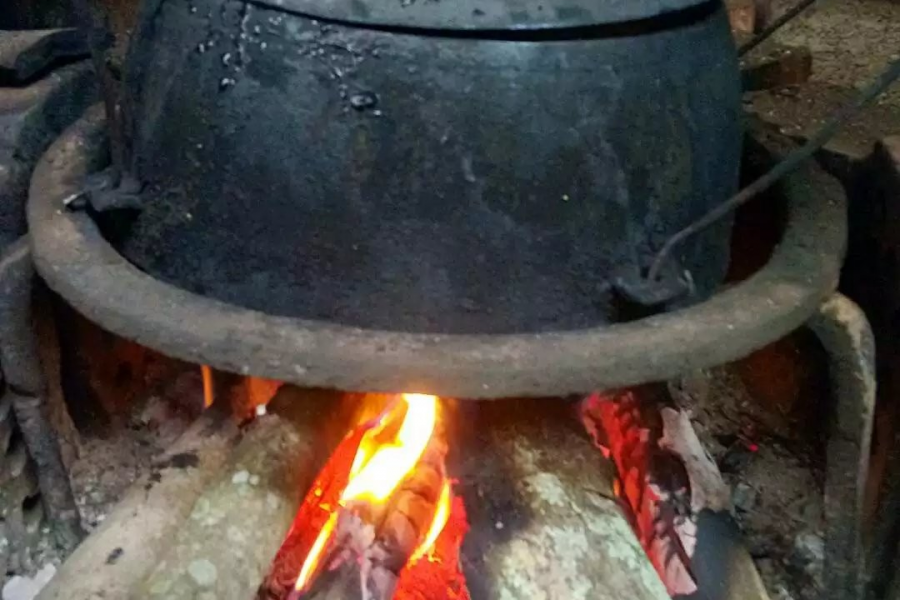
column 371, row 543
column 236, row 526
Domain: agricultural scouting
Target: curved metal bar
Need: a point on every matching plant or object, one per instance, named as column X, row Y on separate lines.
column 845, row 333
column 77, row 262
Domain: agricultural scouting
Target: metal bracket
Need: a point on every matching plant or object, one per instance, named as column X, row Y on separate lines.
column 672, row 283
column 106, row 191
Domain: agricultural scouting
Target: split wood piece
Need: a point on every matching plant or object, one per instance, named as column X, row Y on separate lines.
column 679, row 501
column 325, row 491
column 117, row 557
column 373, row 543
column 720, row 562
column 708, row 490
column 781, row 67
column 225, row 547
column 626, row 426
column 543, row 519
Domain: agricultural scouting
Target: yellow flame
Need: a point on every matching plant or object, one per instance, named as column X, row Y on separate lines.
column 312, row 559
column 378, row 468
column 377, row 475
column 441, row 515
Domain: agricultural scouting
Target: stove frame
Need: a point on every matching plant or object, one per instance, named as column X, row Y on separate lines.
column 796, row 287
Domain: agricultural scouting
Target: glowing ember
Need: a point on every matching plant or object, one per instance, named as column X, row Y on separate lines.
column 630, row 438
column 439, row 577
column 385, row 457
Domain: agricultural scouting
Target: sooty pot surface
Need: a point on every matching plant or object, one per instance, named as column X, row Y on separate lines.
column 454, row 169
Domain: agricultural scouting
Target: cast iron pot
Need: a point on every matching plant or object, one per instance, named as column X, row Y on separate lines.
column 469, row 166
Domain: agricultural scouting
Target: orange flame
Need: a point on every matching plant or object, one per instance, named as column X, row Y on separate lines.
column 208, row 393
column 379, row 467
column 311, row 564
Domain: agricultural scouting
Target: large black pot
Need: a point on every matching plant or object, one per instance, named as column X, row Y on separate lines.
column 471, row 166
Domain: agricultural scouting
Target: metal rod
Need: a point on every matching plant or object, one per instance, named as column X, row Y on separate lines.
column 775, row 26
column 846, row 335
column 791, row 161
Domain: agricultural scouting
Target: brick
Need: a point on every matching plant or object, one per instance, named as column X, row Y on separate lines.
column 781, row 67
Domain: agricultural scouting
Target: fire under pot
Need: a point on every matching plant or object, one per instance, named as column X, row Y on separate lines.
column 478, row 187
column 520, row 498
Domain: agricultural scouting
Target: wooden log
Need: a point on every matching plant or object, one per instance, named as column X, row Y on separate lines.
column 543, row 520
column 227, row 544
column 626, row 424
column 116, row 558
column 719, row 561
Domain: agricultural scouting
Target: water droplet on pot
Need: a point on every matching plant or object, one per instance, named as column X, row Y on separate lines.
column 363, row 100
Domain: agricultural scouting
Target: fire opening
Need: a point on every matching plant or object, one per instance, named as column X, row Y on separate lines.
column 381, row 517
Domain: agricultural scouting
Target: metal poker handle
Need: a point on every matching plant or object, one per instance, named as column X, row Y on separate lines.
column 775, row 26
column 790, row 162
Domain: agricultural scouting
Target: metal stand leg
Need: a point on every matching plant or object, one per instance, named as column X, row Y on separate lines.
column 845, row 333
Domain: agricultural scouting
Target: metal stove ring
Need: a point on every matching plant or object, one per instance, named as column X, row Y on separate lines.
column 78, row 263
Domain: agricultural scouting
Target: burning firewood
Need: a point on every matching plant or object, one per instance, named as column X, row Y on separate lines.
column 657, row 508
column 718, row 547
column 372, row 543
column 375, row 529
column 679, row 503
column 541, row 519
